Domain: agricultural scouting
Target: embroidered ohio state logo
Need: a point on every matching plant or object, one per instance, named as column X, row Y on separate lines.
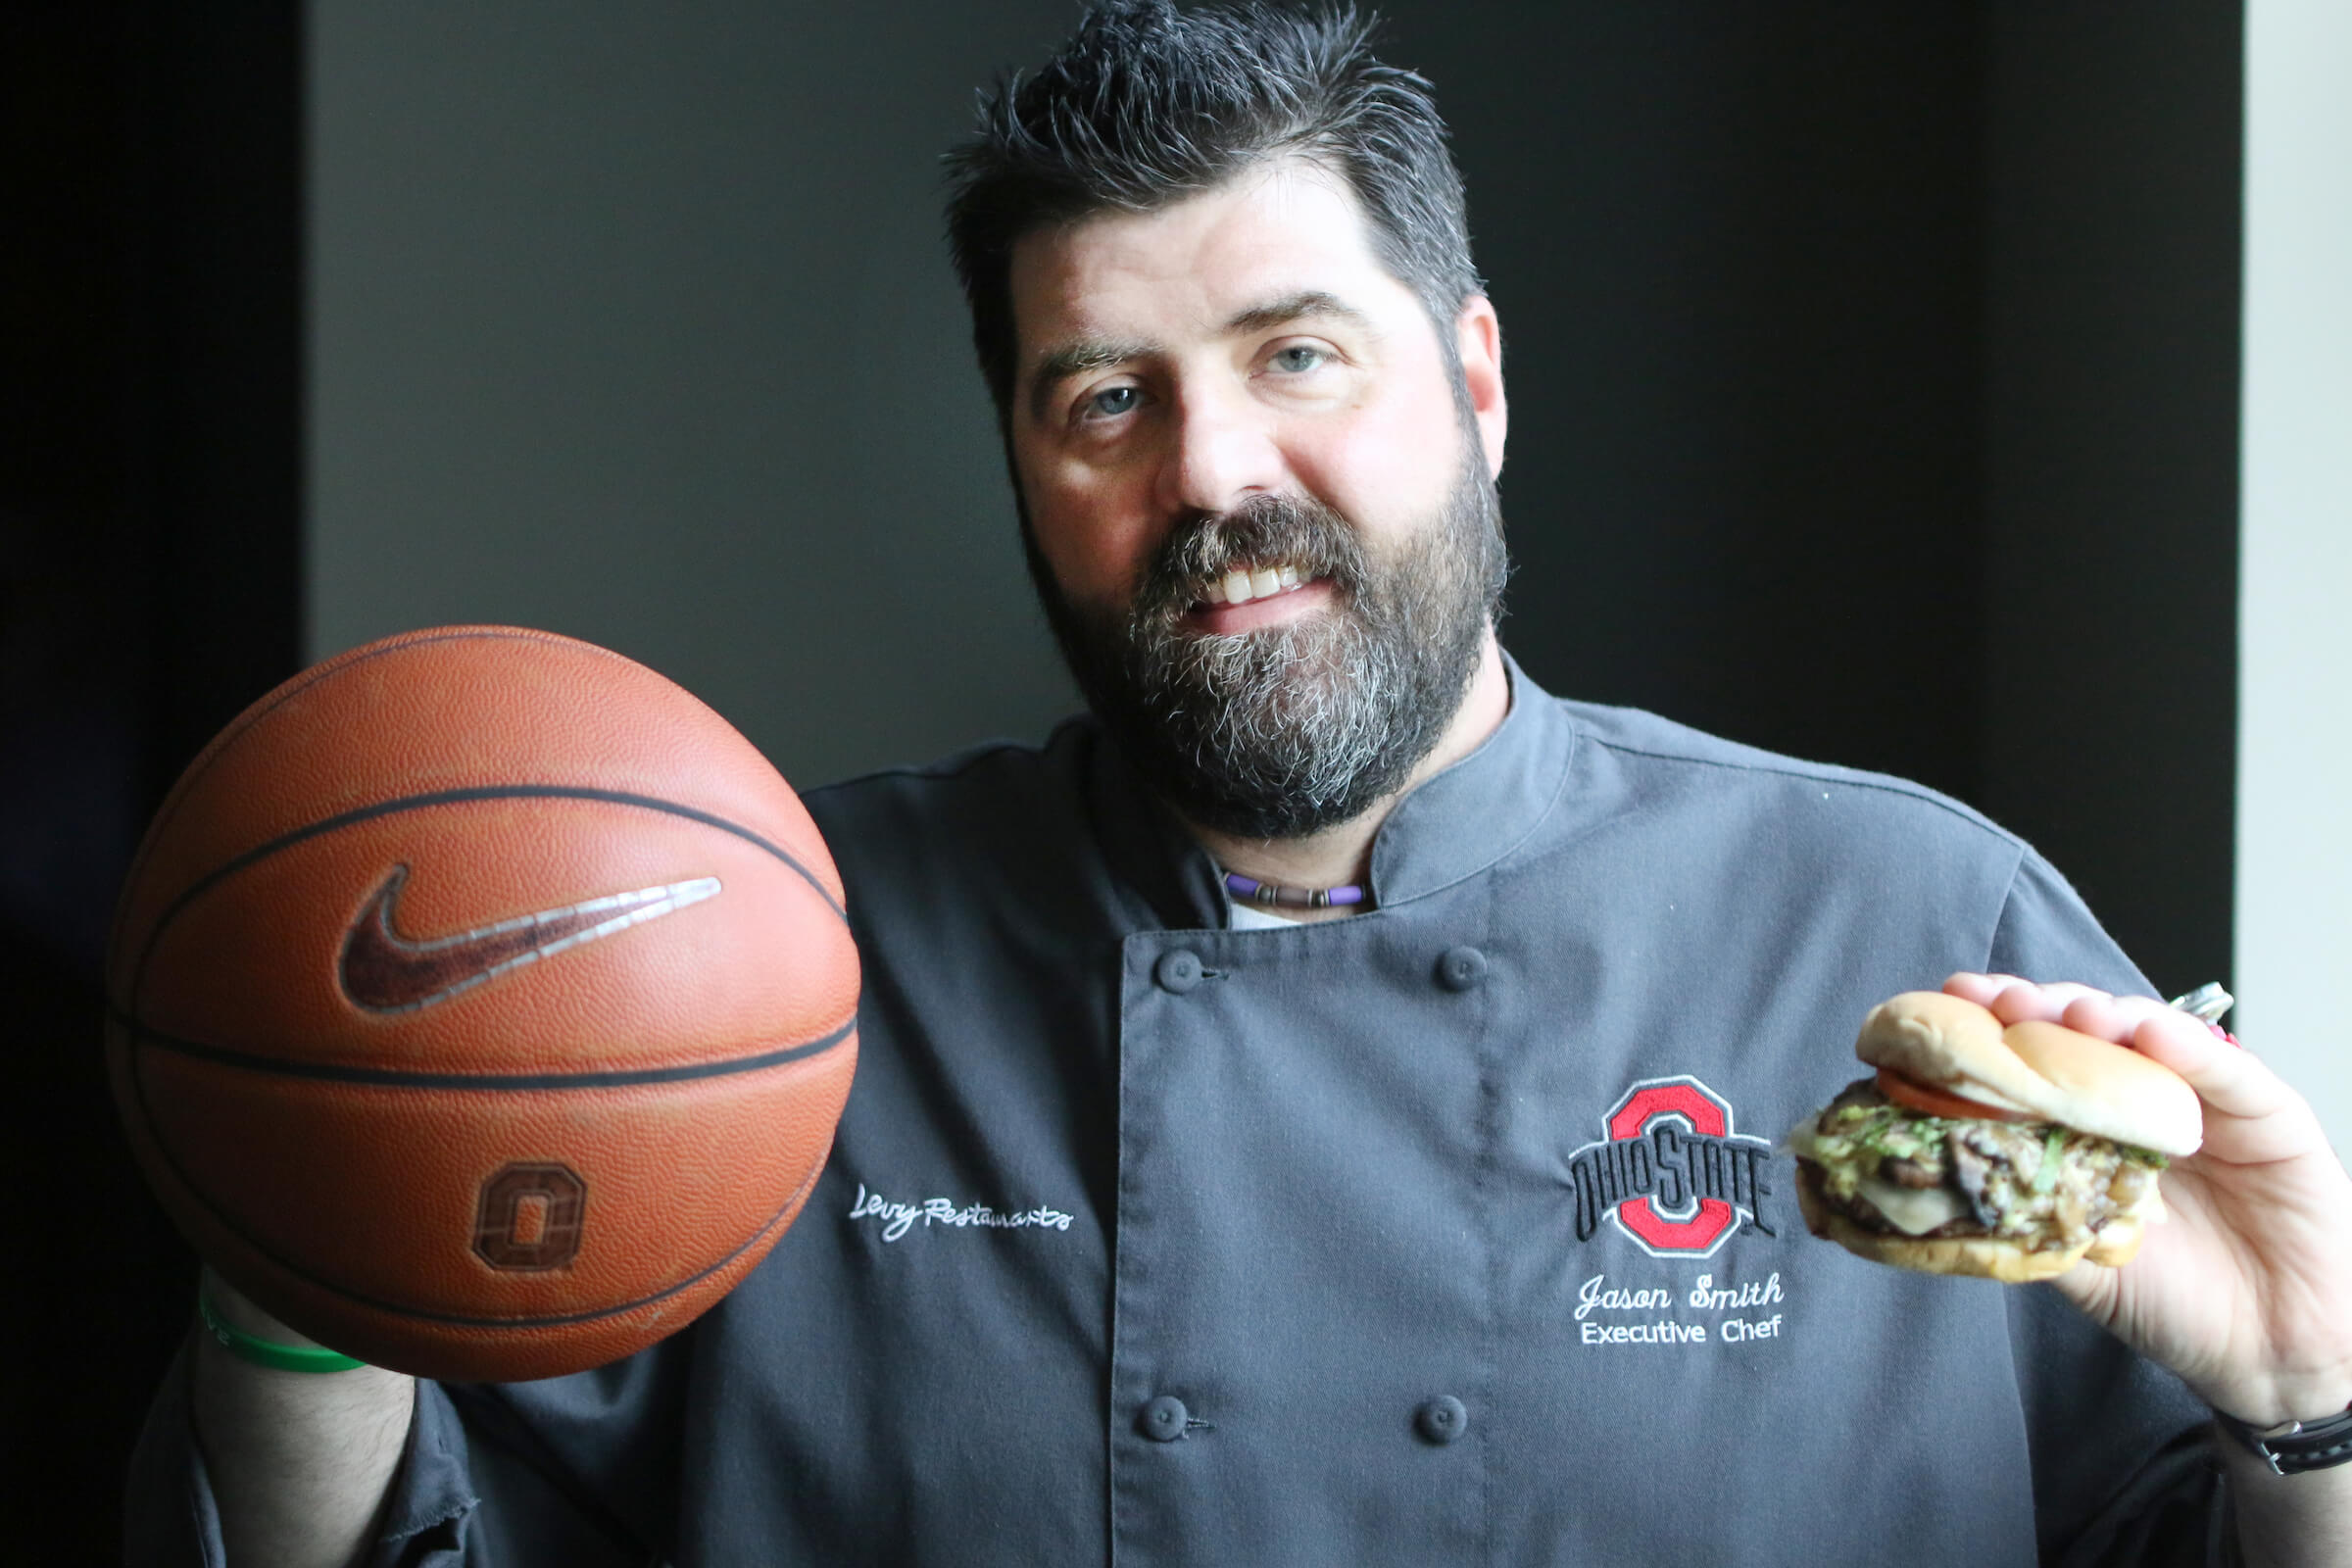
column 1670, row 1173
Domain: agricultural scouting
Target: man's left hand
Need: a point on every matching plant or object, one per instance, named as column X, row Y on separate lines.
column 2246, row 1292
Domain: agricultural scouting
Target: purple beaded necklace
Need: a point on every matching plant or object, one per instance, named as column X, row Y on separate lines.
column 1248, row 890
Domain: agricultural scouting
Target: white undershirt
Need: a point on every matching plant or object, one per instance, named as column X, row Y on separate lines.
column 1254, row 916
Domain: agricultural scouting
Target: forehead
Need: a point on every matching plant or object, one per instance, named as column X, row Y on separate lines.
column 1289, row 230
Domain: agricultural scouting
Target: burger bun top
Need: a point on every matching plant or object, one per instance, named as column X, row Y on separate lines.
column 2043, row 1071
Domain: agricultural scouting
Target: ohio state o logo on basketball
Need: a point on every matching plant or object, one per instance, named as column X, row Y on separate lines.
column 1670, row 1171
column 529, row 1216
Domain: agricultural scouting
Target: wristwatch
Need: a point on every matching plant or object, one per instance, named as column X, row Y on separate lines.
column 2293, row 1446
column 2206, row 1005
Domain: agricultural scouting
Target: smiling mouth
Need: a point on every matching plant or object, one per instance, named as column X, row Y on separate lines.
column 1244, row 585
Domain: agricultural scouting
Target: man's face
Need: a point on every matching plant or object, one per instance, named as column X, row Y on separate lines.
column 1257, row 495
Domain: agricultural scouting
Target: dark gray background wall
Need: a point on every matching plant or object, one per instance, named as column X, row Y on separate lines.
column 1872, row 372
column 638, row 326
column 2110, row 546
column 631, row 322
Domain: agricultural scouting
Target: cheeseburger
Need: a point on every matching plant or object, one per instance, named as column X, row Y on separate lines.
column 2008, row 1152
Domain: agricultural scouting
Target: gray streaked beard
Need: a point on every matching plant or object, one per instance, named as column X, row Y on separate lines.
column 1284, row 731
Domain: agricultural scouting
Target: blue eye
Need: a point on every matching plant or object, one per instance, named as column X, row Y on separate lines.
column 1298, row 358
column 1111, row 402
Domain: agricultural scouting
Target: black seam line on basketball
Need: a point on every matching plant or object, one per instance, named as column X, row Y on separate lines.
column 464, row 797
column 154, row 1138
column 294, row 686
column 502, row 1082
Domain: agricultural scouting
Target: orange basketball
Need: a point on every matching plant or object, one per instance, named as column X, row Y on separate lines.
column 482, row 1003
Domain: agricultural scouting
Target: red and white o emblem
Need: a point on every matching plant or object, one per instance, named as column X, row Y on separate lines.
column 1671, row 1172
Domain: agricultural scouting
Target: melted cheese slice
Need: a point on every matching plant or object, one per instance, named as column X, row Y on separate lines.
column 1909, row 1210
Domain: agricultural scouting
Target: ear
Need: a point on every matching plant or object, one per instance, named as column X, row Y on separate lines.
column 1478, row 339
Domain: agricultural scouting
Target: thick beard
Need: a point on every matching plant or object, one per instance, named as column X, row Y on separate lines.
column 1281, row 732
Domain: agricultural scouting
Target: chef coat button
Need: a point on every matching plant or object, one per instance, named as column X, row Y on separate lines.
column 1441, row 1419
column 1164, row 1417
column 1460, row 968
column 1178, row 971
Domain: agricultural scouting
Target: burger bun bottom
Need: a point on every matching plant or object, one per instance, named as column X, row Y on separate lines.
column 1986, row 1256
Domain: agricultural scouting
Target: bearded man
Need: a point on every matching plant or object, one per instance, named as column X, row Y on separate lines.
column 1309, row 1110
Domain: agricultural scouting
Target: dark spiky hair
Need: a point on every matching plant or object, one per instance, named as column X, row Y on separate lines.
column 1146, row 104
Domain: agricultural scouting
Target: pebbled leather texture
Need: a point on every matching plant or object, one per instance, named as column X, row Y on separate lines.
column 673, row 1067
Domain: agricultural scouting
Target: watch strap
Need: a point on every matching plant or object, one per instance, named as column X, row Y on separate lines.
column 2294, row 1446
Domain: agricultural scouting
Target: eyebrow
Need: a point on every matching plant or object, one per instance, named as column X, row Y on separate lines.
column 1089, row 353
column 1077, row 359
column 1305, row 305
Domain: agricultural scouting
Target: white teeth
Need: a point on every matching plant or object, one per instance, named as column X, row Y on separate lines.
column 1240, row 586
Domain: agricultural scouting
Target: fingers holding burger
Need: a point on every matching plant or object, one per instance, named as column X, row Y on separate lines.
column 2006, row 1152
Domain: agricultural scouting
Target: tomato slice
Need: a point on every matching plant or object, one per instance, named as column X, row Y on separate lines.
column 1916, row 1096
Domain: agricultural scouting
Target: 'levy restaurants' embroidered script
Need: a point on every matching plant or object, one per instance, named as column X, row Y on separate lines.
column 899, row 1218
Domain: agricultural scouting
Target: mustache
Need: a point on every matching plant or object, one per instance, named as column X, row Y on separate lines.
column 1263, row 530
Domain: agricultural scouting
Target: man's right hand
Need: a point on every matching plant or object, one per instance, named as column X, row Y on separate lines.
column 300, row 1463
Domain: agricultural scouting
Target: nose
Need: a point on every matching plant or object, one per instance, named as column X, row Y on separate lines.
column 1222, row 451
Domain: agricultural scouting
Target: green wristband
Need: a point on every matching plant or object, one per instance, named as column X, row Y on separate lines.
column 269, row 1353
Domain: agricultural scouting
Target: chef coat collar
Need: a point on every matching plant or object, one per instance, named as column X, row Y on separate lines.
column 1452, row 826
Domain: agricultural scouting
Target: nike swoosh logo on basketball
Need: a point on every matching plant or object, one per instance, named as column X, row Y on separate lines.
column 383, row 971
